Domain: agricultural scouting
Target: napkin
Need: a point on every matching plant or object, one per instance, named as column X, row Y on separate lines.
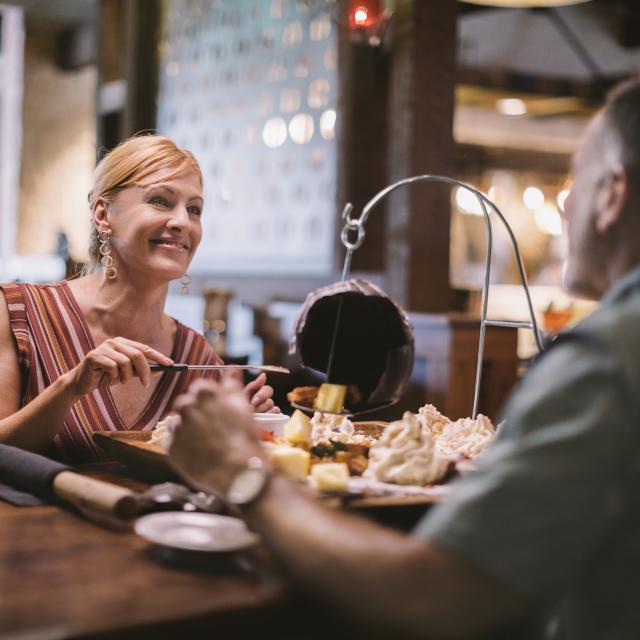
column 23, row 473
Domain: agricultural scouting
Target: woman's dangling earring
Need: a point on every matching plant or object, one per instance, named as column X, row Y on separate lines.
column 106, row 260
column 185, row 281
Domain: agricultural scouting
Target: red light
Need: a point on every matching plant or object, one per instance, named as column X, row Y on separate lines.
column 364, row 14
column 360, row 16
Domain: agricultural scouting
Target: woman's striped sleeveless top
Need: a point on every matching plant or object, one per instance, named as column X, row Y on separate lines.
column 52, row 337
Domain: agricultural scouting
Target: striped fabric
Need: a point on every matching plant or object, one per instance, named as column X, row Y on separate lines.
column 52, row 337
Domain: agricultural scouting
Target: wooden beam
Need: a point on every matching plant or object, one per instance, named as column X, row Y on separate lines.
column 364, row 145
column 593, row 91
column 422, row 78
column 127, row 69
column 475, row 159
column 142, row 37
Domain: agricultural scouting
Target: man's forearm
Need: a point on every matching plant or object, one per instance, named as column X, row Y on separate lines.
column 34, row 426
column 384, row 577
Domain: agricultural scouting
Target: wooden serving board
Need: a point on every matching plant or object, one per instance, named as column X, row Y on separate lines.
column 131, row 448
column 149, row 462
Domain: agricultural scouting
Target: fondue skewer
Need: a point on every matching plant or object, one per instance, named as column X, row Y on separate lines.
column 214, row 367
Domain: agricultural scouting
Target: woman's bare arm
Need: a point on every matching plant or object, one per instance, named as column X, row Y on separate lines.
column 34, row 426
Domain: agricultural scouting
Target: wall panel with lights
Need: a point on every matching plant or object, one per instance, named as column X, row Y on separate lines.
column 251, row 89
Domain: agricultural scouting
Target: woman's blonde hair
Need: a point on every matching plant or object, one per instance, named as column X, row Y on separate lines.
column 129, row 164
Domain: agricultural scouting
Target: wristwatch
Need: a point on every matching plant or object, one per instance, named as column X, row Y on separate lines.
column 249, row 483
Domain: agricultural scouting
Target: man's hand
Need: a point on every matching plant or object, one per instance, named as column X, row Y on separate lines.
column 399, row 584
column 217, row 435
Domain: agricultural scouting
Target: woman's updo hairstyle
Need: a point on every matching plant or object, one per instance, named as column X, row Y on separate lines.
column 129, row 164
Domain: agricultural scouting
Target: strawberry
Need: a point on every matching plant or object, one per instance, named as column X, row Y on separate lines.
column 265, row 435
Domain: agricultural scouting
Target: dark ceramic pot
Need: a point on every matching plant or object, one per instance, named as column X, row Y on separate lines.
column 374, row 344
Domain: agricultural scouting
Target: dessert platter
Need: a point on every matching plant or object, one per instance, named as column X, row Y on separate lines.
column 363, row 343
column 365, row 464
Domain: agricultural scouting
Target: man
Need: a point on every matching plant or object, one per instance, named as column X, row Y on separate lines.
column 544, row 539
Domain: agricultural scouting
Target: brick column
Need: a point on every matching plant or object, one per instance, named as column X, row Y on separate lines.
column 420, row 140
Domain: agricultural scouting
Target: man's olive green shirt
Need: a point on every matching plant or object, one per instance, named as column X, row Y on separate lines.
column 554, row 508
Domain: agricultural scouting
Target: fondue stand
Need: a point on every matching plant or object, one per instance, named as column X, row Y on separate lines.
column 355, row 225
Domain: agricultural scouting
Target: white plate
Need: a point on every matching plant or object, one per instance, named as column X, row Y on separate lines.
column 195, row 531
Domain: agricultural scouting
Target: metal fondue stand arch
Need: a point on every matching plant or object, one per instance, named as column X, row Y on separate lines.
column 357, row 225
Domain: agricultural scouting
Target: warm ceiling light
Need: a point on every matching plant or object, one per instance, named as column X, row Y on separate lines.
column 533, row 198
column 467, row 202
column 548, row 220
column 522, row 4
column 511, row 107
column 562, row 197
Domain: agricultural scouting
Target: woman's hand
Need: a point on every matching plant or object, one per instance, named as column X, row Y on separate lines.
column 115, row 361
column 216, row 436
column 260, row 395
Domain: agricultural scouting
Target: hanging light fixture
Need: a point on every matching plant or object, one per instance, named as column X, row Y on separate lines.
column 367, row 20
column 364, row 14
column 524, row 4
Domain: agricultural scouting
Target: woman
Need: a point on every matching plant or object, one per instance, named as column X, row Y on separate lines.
column 74, row 356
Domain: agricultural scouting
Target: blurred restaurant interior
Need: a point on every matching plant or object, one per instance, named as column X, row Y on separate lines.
column 296, row 107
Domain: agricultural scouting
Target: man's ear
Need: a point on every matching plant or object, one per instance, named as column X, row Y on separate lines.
column 615, row 195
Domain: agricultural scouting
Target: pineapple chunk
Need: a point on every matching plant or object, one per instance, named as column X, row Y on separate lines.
column 291, row 461
column 330, row 398
column 330, row 476
column 297, row 430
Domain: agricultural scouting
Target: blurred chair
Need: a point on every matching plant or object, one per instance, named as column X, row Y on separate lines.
column 187, row 309
column 216, row 317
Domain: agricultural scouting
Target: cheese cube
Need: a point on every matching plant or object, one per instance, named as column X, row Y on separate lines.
column 330, row 398
column 330, row 476
column 297, row 430
column 291, row 461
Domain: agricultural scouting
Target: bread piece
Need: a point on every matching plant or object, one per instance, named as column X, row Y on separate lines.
column 303, row 395
column 331, row 476
column 330, row 398
column 297, row 430
column 291, row 461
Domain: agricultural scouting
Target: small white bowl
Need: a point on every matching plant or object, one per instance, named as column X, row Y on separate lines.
column 273, row 422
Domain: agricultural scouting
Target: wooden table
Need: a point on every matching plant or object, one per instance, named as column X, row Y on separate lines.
column 62, row 576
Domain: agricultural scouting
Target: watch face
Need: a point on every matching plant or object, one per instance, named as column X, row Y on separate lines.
column 247, row 486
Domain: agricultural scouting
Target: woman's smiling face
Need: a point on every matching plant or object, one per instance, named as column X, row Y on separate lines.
column 156, row 226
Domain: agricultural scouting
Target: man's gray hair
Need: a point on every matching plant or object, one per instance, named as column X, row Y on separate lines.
column 622, row 118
